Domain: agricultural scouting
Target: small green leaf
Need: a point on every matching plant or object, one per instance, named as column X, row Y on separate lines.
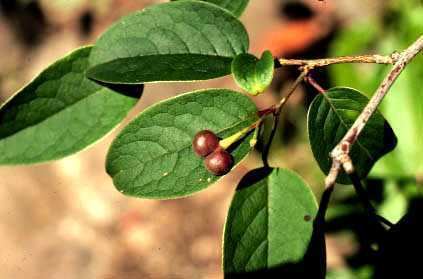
column 236, row 7
column 175, row 41
column 269, row 225
column 331, row 115
column 59, row 113
column 252, row 74
column 153, row 156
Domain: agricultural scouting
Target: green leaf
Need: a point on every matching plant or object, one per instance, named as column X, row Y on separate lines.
column 252, row 74
column 269, row 225
column 331, row 115
column 153, row 157
column 236, row 7
column 175, row 41
column 59, row 113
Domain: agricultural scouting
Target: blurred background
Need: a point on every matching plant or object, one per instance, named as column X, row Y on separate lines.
column 66, row 220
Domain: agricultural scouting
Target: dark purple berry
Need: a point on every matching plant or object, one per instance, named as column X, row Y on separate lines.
column 204, row 143
column 219, row 163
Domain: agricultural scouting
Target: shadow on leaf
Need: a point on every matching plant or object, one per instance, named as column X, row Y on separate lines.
column 130, row 90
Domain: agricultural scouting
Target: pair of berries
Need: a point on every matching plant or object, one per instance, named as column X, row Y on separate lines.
column 217, row 160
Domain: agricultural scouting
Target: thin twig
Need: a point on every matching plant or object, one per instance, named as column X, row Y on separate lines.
column 324, row 205
column 292, row 89
column 340, row 154
column 313, row 63
column 278, row 108
column 315, row 84
column 365, row 201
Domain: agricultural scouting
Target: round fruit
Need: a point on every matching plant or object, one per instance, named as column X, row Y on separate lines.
column 204, row 143
column 219, row 163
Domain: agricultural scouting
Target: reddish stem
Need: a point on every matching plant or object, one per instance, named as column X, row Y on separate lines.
column 315, row 84
column 266, row 111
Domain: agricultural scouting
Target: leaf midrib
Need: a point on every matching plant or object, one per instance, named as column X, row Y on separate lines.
column 164, row 54
column 55, row 114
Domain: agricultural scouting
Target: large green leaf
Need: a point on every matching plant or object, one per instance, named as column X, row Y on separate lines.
column 331, row 115
column 252, row 74
column 59, row 113
column 153, row 157
column 175, row 41
column 236, row 7
column 269, row 227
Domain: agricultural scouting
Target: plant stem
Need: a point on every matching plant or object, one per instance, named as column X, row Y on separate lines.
column 315, row 84
column 227, row 142
column 278, row 108
column 292, row 89
column 340, row 154
column 313, row 63
column 365, row 201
